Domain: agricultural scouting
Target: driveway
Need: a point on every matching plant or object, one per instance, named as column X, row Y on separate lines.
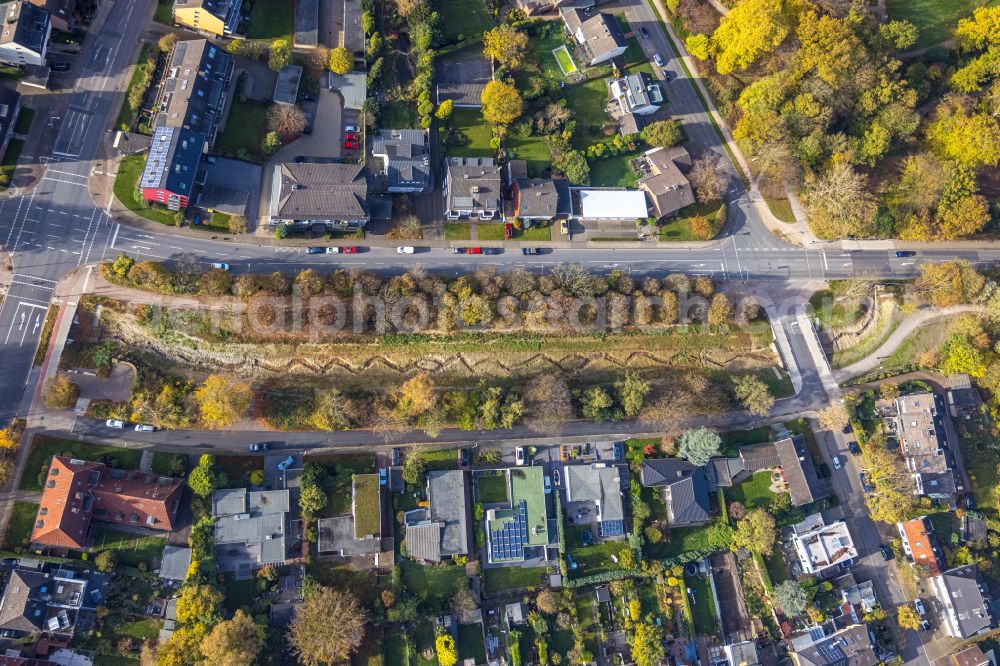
column 116, row 387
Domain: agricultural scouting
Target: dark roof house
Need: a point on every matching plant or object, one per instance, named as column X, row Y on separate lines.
column 848, row 647
column 471, row 188
column 599, row 37
column 193, row 91
column 541, row 198
column 10, row 107
column 665, row 183
column 965, row 600
column 172, row 166
column 596, row 486
column 685, row 489
column 332, row 194
column 972, row 656
column 62, row 13
column 36, row 602
column 406, row 161
column 800, row 474
column 25, row 35
column 442, row 529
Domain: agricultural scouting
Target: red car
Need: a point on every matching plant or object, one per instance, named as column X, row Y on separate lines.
column 349, row 249
column 351, row 145
column 351, row 136
column 508, row 231
column 475, row 250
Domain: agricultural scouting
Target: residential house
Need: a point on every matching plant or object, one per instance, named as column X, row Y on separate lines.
column 406, row 160
column 963, row 398
column 174, row 563
column 920, row 428
column 306, row 33
column 664, row 181
column 535, row 7
column 190, row 104
column 36, row 602
column 540, row 199
column 798, row 471
column 972, row 656
column 10, row 107
column 637, row 94
column 440, row 530
column 594, row 497
column 352, row 87
column 358, row 533
column 77, row 492
column 211, row 17
column 172, row 166
column 599, row 37
column 744, row 653
column 965, row 601
column 920, row 544
column 251, row 528
column 821, row 546
column 684, row 489
column 62, row 13
column 610, row 204
column 519, row 531
column 25, row 36
column 352, row 35
column 286, row 86
column 471, row 188
column 852, row 646
column 335, row 195
column 517, row 613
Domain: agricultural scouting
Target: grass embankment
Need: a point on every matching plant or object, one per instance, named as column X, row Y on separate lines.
column 126, row 190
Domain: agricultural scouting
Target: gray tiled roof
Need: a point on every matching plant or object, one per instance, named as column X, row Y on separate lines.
column 423, row 541
column 194, row 86
column 804, row 485
column 306, row 22
column 689, row 499
column 966, row 596
column 539, row 198
column 254, row 519
column 405, row 156
column 586, row 483
column 322, row 192
column 664, row 471
column 473, row 183
column 446, row 492
column 175, row 562
column 30, row 26
column 848, row 647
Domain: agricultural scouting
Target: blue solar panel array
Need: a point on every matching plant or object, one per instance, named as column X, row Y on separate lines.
column 507, row 543
column 611, row 528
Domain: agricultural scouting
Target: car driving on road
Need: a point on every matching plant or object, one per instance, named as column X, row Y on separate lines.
column 658, row 60
column 261, row 446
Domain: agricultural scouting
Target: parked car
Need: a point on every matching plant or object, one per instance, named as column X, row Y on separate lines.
column 508, row 231
column 210, row 159
column 918, row 606
column 925, row 625
column 115, row 423
column 564, row 227
column 405, row 249
column 555, row 477
column 519, row 457
column 529, row 250
column 222, row 266
column 887, row 553
column 666, row 74
column 351, row 145
column 865, row 486
column 466, row 250
column 315, row 249
column 351, row 136
column 658, row 60
column 383, row 477
column 285, row 464
column 144, row 428
column 396, row 456
column 464, row 458
column 458, row 250
column 837, row 464
column 853, row 447
column 905, row 253
column 492, row 250
column 351, row 128
column 60, row 66
column 261, row 446
column 643, row 33
column 348, row 249
column 548, row 484
column 9, row 562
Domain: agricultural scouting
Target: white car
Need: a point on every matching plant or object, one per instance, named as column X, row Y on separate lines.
column 919, row 606
column 144, row 428
column 333, row 250
column 519, row 455
column 837, row 464
column 658, row 60
column 351, row 128
column 220, row 265
column 406, row 249
column 115, row 423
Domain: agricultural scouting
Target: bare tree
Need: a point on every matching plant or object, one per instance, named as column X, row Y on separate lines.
column 288, row 121
column 708, row 177
column 840, row 203
column 549, row 402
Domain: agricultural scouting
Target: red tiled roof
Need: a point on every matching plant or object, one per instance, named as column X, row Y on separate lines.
column 77, row 492
column 920, row 537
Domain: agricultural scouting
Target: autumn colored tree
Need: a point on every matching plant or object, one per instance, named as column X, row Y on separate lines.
column 234, row 642
column 907, row 618
column 199, row 604
column 407, row 7
column 340, row 61
column 416, row 396
column 708, row 177
column 752, row 29
column 963, row 217
column 647, row 645
column 447, row 653
column 960, row 356
column 756, row 532
column 328, row 627
column 753, row 394
column 59, row 392
column 287, row 120
column 949, row 283
column 332, row 410
column 548, row 402
column 280, row 55
column 445, row 110
column 720, row 311
column 10, row 438
column 790, row 597
column 963, row 134
column 833, row 418
column 222, row 400
column 632, row 393
column 506, row 44
column 502, row 103
column 662, row 133
column 980, row 32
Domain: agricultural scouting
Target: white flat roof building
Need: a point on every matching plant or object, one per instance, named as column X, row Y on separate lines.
column 613, row 204
column 821, row 546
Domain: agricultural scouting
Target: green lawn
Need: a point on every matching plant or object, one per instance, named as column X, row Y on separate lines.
column 462, row 19
column 24, row 119
column 395, row 647
column 944, row 525
column 238, row 468
column 587, row 100
column 130, row 548
column 246, row 126
column 734, row 439
column 470, row 643
column 935, row 19
column 340, row 575
column 398, row 115
column 781, row 209
column 678, row 228
column 433, row 582
column 162, row 462
column 491, row 488
column 141, row 629
column 126, row 190
column 702, row 606
column 164, row 12
column 831, row 312
column 531, row 149
column 595, row 559
column 470, row 123
column 440, row 459
column 19, row 526
column 513, row 577
column 9, row 164
column 776, row 567
column 495, row 232
column 457, row 231
column 980, row 456
column 43, row 447
column 679, row 540
column 614, row 171
column 239, row 593
column 754, row 492
column 272, row 19
column 140, row 78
